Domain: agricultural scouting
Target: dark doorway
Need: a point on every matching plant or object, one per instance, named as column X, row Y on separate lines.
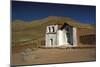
column 51, row 41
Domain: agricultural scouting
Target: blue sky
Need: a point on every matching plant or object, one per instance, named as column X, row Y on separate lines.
column 29, row 11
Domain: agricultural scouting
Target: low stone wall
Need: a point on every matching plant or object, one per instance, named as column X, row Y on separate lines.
column 88, row 39
column 86, row 36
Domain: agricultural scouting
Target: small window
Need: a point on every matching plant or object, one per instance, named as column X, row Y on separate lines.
column 49, row 29
column 53, row 29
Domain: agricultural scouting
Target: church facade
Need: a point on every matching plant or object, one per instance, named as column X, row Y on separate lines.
column 60, row 35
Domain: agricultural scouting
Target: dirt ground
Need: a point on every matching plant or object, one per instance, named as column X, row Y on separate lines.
column 53, row 55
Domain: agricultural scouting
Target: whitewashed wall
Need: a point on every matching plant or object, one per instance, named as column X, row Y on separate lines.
column 61, row 38
column 48, row 40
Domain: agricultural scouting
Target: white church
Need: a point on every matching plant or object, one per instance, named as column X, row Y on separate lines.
column 58, row 35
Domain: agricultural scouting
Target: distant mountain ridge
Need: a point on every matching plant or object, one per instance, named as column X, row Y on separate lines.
column 50, row 20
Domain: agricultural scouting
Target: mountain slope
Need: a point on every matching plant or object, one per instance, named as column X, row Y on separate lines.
column 22, row 30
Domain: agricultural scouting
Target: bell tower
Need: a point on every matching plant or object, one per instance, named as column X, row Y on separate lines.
column 51, row 37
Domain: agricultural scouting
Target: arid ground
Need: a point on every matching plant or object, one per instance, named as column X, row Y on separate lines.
column 53, row 55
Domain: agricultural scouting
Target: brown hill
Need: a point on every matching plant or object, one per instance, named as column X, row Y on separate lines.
column 23, row 31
